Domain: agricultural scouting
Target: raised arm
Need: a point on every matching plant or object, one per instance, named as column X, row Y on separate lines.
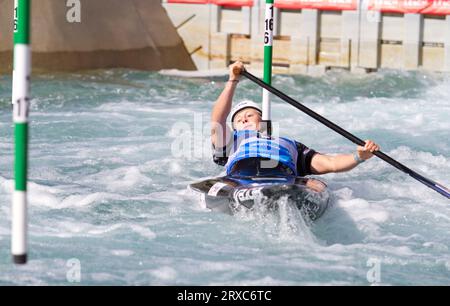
column 322, row 164
column 222, row 107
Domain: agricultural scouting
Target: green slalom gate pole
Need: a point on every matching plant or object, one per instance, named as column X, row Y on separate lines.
column 268, row 44
column 20, row 101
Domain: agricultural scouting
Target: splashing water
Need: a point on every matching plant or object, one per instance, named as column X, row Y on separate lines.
column 109, row 169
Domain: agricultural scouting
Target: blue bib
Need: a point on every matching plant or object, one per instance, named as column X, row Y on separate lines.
column 252, row 144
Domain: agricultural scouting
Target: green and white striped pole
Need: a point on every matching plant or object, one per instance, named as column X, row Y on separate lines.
column 20, row 101
column 268, row 43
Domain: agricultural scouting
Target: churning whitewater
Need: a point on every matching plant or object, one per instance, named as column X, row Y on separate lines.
column 112, row 153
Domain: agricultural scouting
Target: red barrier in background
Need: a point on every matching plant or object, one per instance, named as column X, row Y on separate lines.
column 238, row 3
column 189, row 1
column 435, row 7
column 230, row 3
column 326, row 5
column 432, row 7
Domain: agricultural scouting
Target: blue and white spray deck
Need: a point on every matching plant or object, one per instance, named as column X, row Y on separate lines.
column 107, row 184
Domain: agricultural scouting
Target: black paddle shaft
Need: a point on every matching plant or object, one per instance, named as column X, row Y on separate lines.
column 433, row 185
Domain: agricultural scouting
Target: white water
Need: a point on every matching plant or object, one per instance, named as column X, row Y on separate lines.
column 107, row 185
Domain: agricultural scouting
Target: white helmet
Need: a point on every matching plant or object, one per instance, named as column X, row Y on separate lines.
column 244, row 104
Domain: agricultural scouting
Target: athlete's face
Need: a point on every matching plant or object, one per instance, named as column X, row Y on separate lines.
column 247, row 119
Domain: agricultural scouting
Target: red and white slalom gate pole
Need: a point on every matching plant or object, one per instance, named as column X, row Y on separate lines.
column 20, row 101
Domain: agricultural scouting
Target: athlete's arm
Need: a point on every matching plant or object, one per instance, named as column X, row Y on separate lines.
column 322, row 164
column 222, row 107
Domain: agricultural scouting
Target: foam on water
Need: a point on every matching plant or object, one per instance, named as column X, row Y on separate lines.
column 107, row 183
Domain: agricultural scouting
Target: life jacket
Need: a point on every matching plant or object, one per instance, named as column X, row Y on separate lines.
column 248, row 144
